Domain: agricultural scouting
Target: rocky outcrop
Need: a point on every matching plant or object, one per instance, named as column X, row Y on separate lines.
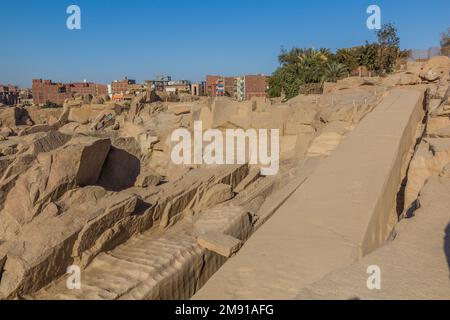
column 340, row 213
column 436, row 68
column 433, row 153
column 427, row 278
column 45, row 249
column 120, row 170
column 220, row 243
column 216, row 195
column 148, row 179
column 21, row 156
column 430, row 159
column 94, row 186
column 78, row 163
column 14, row 116
column 185, row 196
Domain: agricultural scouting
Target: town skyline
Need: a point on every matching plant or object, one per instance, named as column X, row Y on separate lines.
column 188, row 44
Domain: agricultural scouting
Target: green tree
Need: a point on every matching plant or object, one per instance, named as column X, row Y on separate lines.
column 299, row 66
column 387, row 36
column 334, row 71
column 369, row 57
column 350, row 57
column 309, row 68
column 389, row 42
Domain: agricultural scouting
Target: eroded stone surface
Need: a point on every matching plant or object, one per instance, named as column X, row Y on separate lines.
column 93, row 184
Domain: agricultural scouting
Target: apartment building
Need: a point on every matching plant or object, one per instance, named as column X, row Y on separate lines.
column 9, row 94
column 182, row 86
column 88, row 88
column 255, row 86
column 122, row 86
column 240, row 88
column 47, row 90
column 211, row 85
column 198, row 89
column 228, row 83
column 159, row 84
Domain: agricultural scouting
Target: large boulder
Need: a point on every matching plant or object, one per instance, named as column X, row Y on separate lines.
column 46, row 248
column 41, row 116
column 14, row 116
column 97, row 100
column 89, row 113
column 22, row 155
column 6, row 132
column 78, row 163
column 219, row 243
column 430, row 159
column 436, row 68
column 408, row 79
column 222, row 109
column 120, row 170
column 436, row 125
column 148, row 178
column 430, row 75
column 190, row 193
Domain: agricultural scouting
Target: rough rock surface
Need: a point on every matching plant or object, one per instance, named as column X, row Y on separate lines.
column 93, row 184
column 414, row 266
column 220, row 243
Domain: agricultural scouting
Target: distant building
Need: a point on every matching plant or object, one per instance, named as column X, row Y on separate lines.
column 25, row 97
column 220, row 87
column 48, row 91
column 102, row 89
column 122, row 86
column 159, row 84
column 240, row 88
column 88, row 88
column 256, row 86
column 198, row 89
column 181, row 86
column 211, row 85
column 229, row 86
column 9, row 94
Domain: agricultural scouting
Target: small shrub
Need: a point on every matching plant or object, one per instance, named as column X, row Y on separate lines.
column 51, row 105
column 311, row 88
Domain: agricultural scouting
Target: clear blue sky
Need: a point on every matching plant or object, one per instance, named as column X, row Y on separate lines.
column 189, row 39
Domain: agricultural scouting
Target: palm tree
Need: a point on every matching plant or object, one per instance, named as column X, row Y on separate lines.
column 334, row 71
column 314, row 55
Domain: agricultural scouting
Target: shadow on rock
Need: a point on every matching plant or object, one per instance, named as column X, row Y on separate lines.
column 119, row 171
